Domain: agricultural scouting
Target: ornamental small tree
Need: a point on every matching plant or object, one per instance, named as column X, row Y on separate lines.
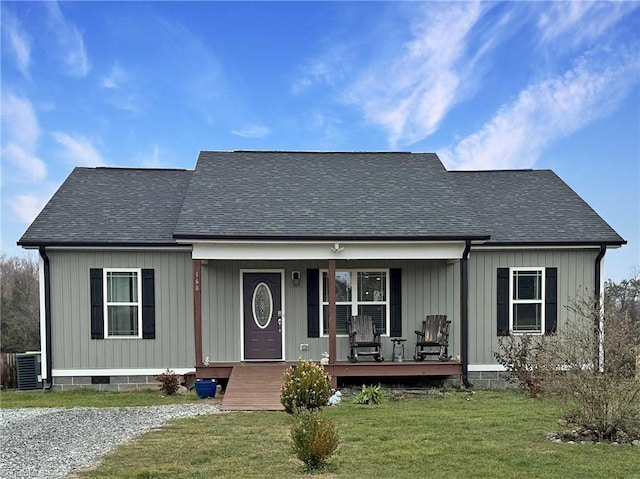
column 315, row 439
column 306, row 387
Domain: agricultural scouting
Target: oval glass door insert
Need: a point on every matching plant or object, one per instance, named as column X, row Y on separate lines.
column 262, row 305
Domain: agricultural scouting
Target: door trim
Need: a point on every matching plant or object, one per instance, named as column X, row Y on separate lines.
column 284, row 315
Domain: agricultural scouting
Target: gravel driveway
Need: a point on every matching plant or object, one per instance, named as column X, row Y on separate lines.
column 53, row 442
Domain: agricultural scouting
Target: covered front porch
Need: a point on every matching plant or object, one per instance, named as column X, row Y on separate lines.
column 425, row 277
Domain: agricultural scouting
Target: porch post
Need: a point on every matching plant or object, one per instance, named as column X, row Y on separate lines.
column 197, row 310
column 332, row 310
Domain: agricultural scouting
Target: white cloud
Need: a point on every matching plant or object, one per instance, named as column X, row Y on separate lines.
column 150, row 161
column 78, row 150
column 20, row 137
column 70, row 42
column 576, row 22
column 28, row 163
column 410, row 95
column 19, row 120
column 27, row 206
column 115, row 78
column 328, row 68
column 252, row 131
column 544, row 112
column 18, row 41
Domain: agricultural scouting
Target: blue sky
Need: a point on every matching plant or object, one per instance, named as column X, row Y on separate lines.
column 484, row 85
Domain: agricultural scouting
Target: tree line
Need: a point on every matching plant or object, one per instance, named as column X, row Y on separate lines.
column 20, row 308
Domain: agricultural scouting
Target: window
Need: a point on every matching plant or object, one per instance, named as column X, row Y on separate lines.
column 123, row 303
column 357, row 292
column 527, row 300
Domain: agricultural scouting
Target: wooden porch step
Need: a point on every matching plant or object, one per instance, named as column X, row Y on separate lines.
column 254, row 387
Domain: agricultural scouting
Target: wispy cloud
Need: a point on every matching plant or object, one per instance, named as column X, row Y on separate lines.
column 120, row 89
column 21, row 134
column 546, row 111
column 17, row 40
column 70, row 42
column 410, row 95
column 27, row 206
column 576, row 22
column 151, row 160
column 252, row 130
column 78, row 150
column 327, row 68
column 115, row 78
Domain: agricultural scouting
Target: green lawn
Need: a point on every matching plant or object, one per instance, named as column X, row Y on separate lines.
column 484, row 435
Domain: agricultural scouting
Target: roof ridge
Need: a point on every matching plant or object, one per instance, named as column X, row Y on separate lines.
column 324, row 152
column 136, row 168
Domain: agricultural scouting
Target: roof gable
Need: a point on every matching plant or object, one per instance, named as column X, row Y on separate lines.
column 323, row 195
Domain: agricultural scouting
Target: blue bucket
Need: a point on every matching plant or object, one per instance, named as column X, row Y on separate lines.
column 206, row 388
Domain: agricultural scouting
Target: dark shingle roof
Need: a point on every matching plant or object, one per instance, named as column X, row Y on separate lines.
column 531, row 206
column 303, row 195
column 103, row 206
column 323, row 195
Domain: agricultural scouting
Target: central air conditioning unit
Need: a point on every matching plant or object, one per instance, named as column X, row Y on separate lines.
column 29, row 372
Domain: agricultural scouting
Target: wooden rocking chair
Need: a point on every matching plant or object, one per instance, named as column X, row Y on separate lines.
column 433, row 340
column 363, row 334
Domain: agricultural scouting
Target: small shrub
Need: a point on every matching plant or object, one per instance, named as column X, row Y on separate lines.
column 169, row 382
column 369, row 395
column 306, row 387
column 397, row 395
column 521, row 357
column 315, row 439
column 596, row 383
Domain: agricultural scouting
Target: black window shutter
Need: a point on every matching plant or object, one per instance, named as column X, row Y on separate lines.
column 395, row 280
column 313, row 303
column 503, row 302
column 97, row 297
column 148, row 305
column 551, row 300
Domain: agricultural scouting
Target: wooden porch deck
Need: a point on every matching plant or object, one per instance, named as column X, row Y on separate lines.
column 256, row 386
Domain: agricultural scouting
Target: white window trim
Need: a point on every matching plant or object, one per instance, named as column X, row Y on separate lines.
column 105, row 272
column 354, row 297
column 540, row 301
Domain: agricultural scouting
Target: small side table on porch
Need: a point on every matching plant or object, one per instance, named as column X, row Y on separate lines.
column 398, row 349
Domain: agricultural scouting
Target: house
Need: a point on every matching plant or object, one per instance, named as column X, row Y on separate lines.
column 146, row 269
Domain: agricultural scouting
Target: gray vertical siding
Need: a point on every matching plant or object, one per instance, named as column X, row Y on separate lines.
column 72, row 346
column 428, row 287
column 575, row 277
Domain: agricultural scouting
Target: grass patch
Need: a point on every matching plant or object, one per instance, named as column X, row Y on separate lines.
column 485, row 435
column 91, row 398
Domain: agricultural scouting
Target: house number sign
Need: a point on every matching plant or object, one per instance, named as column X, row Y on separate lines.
column 196, row 281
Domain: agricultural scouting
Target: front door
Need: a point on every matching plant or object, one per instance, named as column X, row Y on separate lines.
column 262, row 315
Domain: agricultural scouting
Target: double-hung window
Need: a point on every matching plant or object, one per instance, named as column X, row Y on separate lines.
column 358, row 292
column 123, row 303
column 527, row 311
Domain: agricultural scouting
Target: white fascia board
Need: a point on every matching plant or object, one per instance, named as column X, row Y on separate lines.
column 118, row 372
column 486, row 367
column 283, row 250
column 532, row 247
